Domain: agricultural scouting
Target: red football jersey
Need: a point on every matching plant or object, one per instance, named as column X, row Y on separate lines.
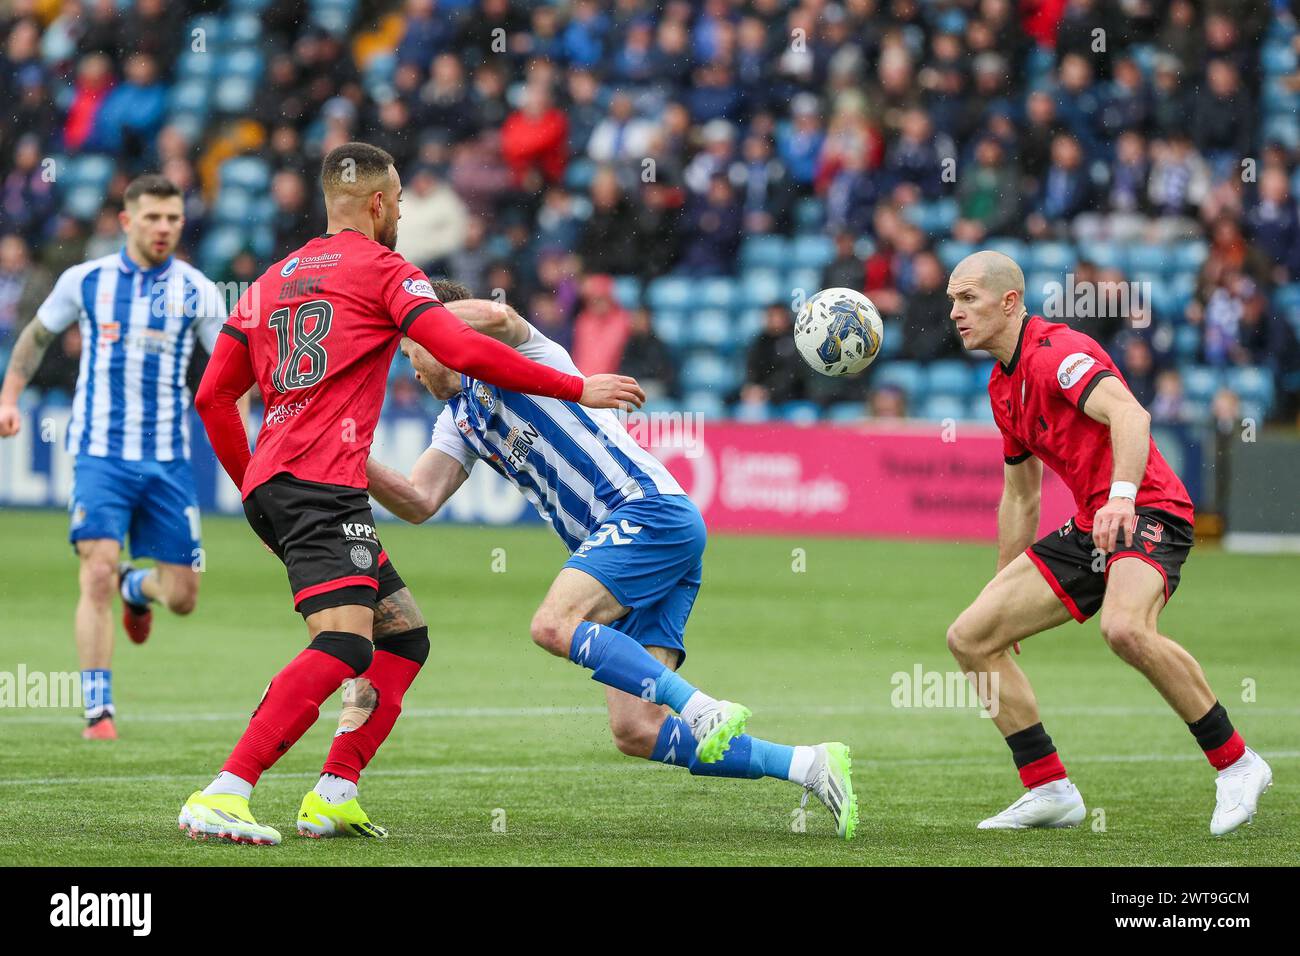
column 1038, row 403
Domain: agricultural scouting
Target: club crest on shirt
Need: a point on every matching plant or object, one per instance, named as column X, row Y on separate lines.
column 1072, row 368
column 483, row 392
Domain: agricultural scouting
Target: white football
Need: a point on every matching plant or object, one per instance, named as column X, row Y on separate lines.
column 838, row 332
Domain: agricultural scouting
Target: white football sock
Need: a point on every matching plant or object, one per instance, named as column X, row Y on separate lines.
column 801, row 765
column 335, row 789
column 226, row 782
column 698, row 703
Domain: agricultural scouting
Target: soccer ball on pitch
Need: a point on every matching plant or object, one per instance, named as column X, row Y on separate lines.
column 838, row 332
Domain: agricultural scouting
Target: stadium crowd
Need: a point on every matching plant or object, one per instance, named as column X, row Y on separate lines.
column 655, row 183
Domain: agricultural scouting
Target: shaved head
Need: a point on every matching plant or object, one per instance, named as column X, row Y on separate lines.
column 996, row 272
column 987, row 290
column 362, row 191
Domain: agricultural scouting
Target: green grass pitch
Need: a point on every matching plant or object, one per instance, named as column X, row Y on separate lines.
column 496, row 731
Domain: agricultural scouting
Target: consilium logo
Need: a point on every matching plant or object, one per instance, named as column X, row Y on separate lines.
column 75, row 909
column 287, row 269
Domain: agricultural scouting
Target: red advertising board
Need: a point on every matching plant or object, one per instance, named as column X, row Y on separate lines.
column 898, row 480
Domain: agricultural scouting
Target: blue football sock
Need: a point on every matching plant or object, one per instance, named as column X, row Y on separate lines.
column 97, row 692
column 133, row 587
column 747, row 758
column 675, row 744
column 620, row 662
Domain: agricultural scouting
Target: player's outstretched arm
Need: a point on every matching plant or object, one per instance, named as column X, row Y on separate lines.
column 1022, row 490
column 457, row 346
column 228, row 377
column 494, row 319
column 1130, row 441
column 434, row 479
column 30, row 348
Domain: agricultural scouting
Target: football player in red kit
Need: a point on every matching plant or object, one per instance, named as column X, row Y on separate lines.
column 316, row 333
column 1059, row 401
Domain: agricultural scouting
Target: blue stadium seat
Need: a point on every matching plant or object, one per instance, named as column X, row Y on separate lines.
column 891, row 345
column 751, row 412
column 1252, row 384
column 908, row 376
column 951, row 252
column 219, row 246
column 1189, row 255
column 845, row 412
column 1152, row 258
column 234, row 94
column 979, row 409
column 711, row 329
column 1037, row 287
column 670, row 292
column 809, row 280
column 1282, row 128
column 704, row 403
column 1107, row 255
column 938, row 407
column 1008, row 247
column 717, row 293
column 809, row 215
column 670, row 326
column 707, row 371
column 213, row 31
column 1187, row 342
column 800, row 413
column 1200, row 382
column 1056, row 257
column 627, row 291
column 83, row 202
column 933, row 218
column 90, row 169
column 196, row 65
column 1278, row 59
column 579, row 175
column 811, row 252
column 245, row 172
column 951, row 377
column 233, row 206
column 243, row 29
column 244, row 63
column 760, row 287
column 749, row 324
column 764, row 251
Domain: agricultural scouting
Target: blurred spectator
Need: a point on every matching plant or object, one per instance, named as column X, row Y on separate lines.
column 774, row 372
column 764, row 188
column 93, row 84
column 28, row 191
column 1139, row 368
column 846, row 270
column 1274, row 223
column 132, row 114
column 928, row 333
column 887, row 403
column 1065, row 192
column 1169, row 406
column 658, row 229
column 534, row 139
column 609, row 242
column 435, row 222
column 428, row 33
column 647, row 359
column 621, row 136
column 713, row 226
column 1128, row 193
column 290, row 222
column 1222, row 123
column 801, row 145
column 23, row 287
column 1180, row 178
column 987, row 195
column 601, row 330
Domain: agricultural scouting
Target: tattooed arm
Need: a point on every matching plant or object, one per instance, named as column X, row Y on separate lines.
column 26, row 359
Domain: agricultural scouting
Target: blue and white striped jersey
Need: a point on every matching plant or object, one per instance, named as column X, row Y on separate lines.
column 137, row 333
column 574, row 464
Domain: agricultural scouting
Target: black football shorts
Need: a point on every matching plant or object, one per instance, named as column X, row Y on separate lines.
column 1068, row 560
column 325, row 535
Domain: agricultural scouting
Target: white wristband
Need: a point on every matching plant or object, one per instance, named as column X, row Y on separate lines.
column 1124, row 489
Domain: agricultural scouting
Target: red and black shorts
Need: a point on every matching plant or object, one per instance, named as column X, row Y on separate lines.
column 1077, row 572
column 325, row 535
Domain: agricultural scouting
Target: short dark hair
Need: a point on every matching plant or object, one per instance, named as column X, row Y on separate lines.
column 346, row 166
column 449, row 290
column 150, row 184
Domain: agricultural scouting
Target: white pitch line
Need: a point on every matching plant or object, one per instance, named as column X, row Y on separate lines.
column 61, row 715
column 637, row 767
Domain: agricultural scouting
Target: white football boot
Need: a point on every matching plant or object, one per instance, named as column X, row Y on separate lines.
column 715, row 728
column 1237, row 790
column 1053, row 805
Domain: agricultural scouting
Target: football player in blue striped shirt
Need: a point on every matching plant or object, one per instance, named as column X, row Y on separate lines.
column 140, row 311
column 620, row 603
